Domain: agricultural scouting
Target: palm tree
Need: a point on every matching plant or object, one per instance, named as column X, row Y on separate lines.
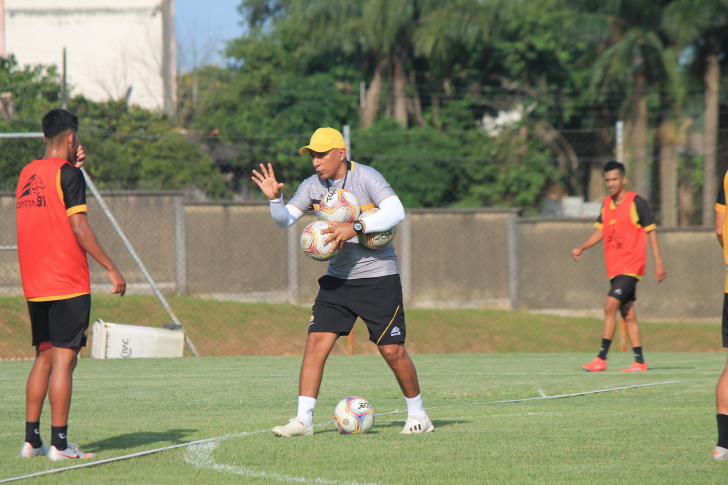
column 703, row 24
column 380, row 31
column 633, row 63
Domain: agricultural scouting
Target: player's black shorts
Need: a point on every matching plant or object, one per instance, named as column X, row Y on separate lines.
column 725, row 320
column 378, row 301
column 624, row 288
column 61, row 322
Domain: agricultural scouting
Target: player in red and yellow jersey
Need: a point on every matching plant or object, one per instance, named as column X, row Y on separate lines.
column 625, row 224
column 53, row 239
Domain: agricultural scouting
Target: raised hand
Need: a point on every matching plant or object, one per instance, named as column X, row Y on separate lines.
column 80, row 156
column 267, row 182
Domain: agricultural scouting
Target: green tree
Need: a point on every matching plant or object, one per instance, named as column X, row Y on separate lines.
column 127, row 147
column 634, row 62
column 703, row 25
column 379, row 33
column 33, row 90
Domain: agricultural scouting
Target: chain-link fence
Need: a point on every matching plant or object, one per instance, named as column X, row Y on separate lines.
column 241, row 286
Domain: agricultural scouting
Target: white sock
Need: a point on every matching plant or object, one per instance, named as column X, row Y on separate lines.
column 415, row 407
column 306, row 405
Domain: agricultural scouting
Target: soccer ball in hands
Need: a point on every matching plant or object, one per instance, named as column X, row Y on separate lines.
column 339, row 206
column 376, row 240
column 354, row 415
column 312, row 242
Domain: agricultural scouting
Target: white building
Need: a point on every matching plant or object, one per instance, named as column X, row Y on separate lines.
column 115, row 48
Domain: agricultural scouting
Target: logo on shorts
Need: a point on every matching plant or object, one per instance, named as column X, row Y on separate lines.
column 310, row 322
column 395, row 332
column 618, row 291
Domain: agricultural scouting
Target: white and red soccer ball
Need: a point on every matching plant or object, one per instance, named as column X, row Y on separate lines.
column 354, row 415
column 312, row 242
column 376, row 240
column 339, row 206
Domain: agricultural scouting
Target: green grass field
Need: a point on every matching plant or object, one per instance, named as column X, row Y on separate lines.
column 234, row 329
column 659, row 434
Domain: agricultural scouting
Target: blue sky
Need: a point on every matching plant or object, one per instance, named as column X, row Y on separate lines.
column 202, row 27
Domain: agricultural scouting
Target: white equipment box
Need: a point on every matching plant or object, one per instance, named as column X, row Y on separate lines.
column 117, row 341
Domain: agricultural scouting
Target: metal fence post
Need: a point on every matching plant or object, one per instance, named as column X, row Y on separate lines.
column 513, row 259
column 132, row 252
column 619, row 127
column 347, row 141
column 180, row 245
column 405, row 257
column 293, row 248
column 620, row 158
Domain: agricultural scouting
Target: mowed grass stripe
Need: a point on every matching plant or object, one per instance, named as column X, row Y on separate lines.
column 658, row 434
column 233, row 329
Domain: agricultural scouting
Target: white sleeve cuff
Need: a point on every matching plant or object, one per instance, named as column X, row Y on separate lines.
column 391, row 213
column 284, row 215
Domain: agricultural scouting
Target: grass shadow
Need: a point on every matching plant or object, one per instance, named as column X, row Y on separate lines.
column 141, row 438
column 399, row 423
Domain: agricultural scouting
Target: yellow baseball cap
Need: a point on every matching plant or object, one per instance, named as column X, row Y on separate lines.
column 323, row 140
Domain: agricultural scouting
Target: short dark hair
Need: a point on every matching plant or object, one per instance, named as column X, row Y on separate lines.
column 613, row 165
column 58, row 121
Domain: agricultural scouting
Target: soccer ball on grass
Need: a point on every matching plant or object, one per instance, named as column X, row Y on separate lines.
column 339, row 206
column 312, row 242
column 354, row 415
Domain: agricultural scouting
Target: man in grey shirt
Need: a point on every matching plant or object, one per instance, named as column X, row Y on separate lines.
column 360, row 282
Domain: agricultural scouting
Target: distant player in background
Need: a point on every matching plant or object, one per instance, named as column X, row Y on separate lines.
column 360, row 282
column 720, row 452
column 53, row 239
column 625, row 224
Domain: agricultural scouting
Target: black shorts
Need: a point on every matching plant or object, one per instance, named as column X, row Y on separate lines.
column 378, row 301
column 61, row 322
column 725, row 320
column 624, row 288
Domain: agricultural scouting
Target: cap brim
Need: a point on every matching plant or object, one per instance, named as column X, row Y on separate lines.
column 317, row 149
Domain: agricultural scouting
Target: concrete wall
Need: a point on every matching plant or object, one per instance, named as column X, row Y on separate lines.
column 147, row 219
column 111, row 45
column 550, row 279
column 235, row 252
column 447, row 258
column 459, row 258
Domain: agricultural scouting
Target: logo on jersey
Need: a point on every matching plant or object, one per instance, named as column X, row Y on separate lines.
column 31, row 195
column 614, row 240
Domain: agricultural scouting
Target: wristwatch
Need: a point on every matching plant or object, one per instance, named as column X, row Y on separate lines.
column 358, row 227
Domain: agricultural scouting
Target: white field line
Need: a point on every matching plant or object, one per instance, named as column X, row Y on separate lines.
column 317, row 480
column 109, row 460
column 545, row 397
column 200, row 456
